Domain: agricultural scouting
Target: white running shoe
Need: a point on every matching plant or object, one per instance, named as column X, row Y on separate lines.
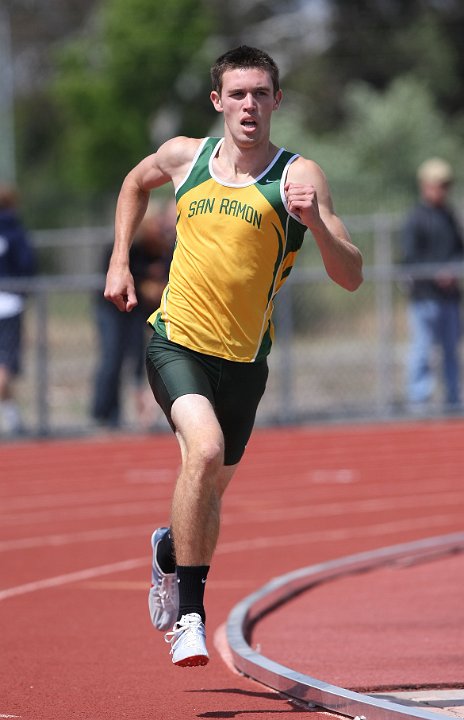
column 163, row 598
column 187, row 639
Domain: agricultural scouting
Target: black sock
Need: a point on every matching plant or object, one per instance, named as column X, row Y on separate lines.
column 191, row 581
column 165, row 553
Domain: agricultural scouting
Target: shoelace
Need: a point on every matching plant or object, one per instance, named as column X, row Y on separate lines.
column 187, row 622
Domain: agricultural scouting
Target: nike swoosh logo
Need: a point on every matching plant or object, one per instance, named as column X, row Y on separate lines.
column 203, row 580
column 270, row 181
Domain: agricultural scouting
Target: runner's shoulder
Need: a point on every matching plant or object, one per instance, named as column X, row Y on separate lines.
column 178, row 151
column 303, row 170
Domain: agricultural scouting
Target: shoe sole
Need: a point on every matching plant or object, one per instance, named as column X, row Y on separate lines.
column 193, row 661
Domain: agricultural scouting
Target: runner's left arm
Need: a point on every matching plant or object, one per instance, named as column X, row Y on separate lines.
column 308, row 196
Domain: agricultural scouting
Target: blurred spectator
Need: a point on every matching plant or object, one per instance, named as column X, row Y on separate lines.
column 431, row 235
column 17, row 259
column 122, row 336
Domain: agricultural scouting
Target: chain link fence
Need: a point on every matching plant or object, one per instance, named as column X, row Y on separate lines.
column 336, row 356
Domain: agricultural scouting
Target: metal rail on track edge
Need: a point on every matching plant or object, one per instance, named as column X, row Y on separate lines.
column 310, row 691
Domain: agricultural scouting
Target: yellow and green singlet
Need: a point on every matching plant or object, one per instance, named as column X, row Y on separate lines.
column 235, row 247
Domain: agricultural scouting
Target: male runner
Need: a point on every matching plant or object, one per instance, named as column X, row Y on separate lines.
column 243, row 206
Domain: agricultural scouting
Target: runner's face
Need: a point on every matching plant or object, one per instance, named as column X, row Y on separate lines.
column 247, row 100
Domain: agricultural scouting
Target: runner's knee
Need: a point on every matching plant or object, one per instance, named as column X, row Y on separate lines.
column 206, row 456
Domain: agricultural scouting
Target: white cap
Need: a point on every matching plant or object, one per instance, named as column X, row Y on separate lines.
column 435, row 171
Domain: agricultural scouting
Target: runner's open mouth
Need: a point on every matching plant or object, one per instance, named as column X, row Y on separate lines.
column 249, row 123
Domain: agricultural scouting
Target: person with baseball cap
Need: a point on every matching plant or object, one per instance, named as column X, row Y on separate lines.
column 431, row 236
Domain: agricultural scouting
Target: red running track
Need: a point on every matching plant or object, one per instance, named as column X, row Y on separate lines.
column 400, row 624
column 75, row 554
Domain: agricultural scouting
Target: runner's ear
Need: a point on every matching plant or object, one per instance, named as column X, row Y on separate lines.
column 216, row 100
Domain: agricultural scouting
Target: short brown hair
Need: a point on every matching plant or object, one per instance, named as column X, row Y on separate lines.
column 241, row 58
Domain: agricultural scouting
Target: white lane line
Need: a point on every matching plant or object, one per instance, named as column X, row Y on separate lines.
column 49, row 500
column 247, row 545
column 335, row 535
column 350, row 507
column 222, row 646
column 83, row 513
column 151, row 476
column 72, row 577
column 301, row 491
column 248, row 514
column 108, row 534
column 57, row 540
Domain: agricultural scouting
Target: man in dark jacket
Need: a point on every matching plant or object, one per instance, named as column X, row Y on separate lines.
column 17, row 259
column 123, row 336
column 431, row 236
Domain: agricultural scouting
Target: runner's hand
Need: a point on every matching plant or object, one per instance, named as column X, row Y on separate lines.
column 120, row 289
column 302, row 201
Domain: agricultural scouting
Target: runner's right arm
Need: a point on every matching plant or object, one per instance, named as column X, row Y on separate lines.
column 169, row 163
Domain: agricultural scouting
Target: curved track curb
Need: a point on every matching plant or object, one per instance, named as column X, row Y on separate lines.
column 306, row 689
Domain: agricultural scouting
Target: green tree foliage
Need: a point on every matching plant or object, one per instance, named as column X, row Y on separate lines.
column 375, row 41
column 371, row 161
column 371, row 87
column 138, row 58
column 391, row 132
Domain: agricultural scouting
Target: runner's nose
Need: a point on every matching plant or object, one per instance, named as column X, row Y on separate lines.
column 249, row 101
